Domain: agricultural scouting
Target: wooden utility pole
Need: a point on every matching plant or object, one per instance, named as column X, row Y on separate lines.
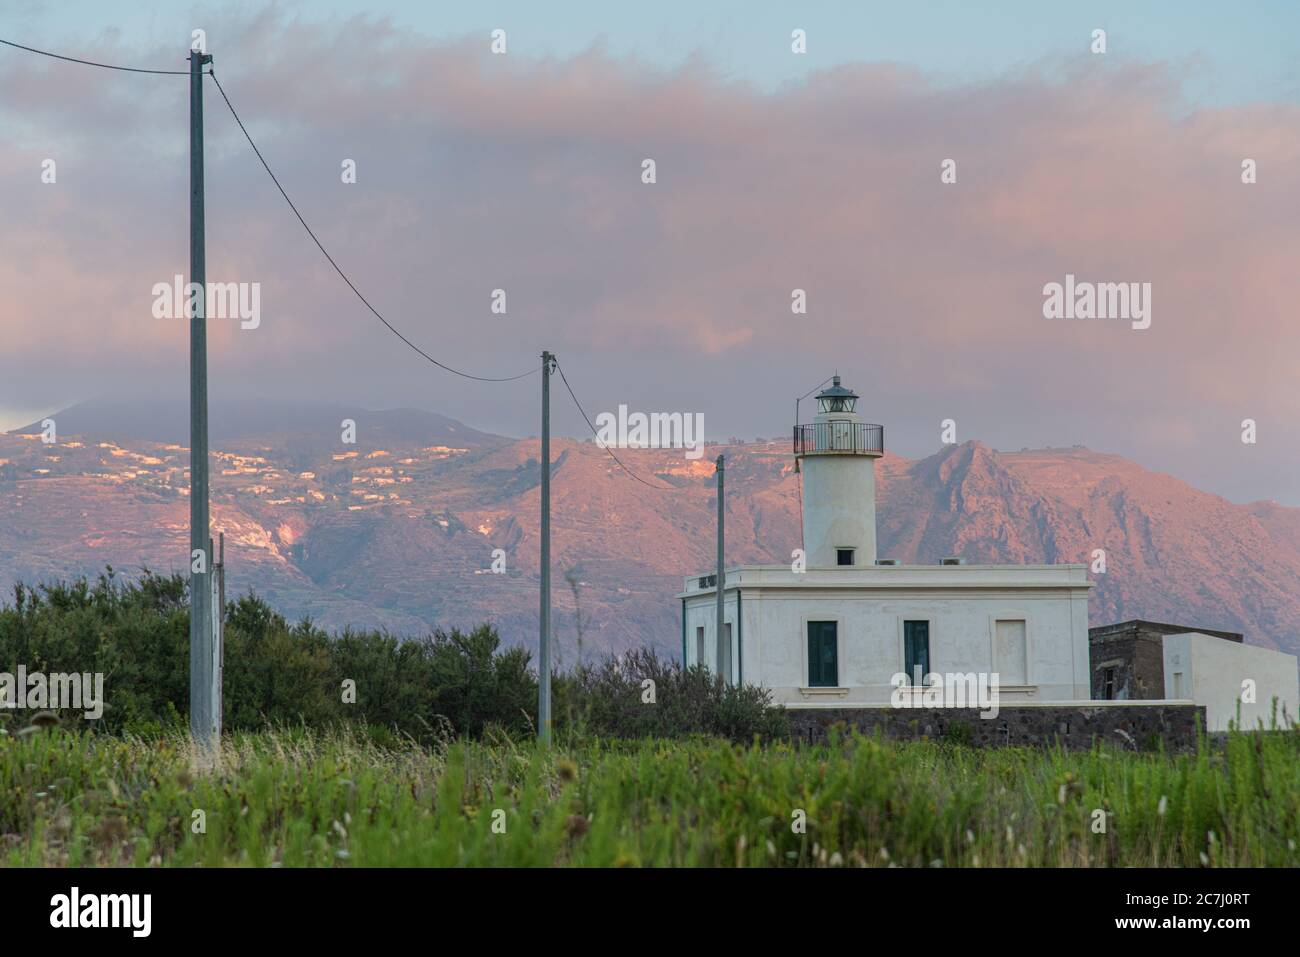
column 204, row 722
column 544, row 642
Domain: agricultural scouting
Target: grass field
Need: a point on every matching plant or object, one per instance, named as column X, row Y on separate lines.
column 301, row 799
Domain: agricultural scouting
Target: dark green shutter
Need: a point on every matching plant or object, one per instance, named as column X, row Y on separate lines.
column 916, row 649
column 823, row 655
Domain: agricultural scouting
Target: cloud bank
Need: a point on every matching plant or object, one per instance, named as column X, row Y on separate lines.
column 478, row 172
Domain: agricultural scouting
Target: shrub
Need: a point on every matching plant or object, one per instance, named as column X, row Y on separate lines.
column 280, row 674
column 609, row 700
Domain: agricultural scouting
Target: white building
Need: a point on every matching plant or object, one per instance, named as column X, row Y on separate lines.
column 1142, row 661
column 835, row 628
column 1237, row 683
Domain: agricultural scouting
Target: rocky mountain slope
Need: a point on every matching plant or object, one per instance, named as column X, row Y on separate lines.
column 399, row 529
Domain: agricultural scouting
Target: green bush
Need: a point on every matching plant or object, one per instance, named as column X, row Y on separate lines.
column 136, row 633
column 451, row 683
column 612, row 699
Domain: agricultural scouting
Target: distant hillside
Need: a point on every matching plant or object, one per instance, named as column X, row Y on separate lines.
column 399, row 530
column 1173, row 553
column 242, row 421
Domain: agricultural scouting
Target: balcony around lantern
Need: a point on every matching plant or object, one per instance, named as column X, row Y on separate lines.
column 839, row 438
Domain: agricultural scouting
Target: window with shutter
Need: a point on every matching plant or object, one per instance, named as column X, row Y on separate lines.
column 823, row 655
column 916, row 650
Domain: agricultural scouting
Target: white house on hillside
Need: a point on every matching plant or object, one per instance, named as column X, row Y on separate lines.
column 835, row 629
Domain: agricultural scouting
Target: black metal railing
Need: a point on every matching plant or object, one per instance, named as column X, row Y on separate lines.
column 842, row 438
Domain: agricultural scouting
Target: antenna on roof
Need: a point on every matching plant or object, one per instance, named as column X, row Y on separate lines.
column 796, row 409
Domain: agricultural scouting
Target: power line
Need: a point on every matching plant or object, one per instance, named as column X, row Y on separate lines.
column 266, row 166
column 342, row 274
column 799, row 474
column 319, row 245
column 569, row 388
column 105, row 66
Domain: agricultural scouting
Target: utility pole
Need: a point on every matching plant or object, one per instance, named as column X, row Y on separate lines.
column 218, row 631
column 724, row 646
column 544, row 643
column 203, row 721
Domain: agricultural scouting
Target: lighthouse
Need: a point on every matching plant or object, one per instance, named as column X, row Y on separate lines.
column 839, row 628
column 837, row 456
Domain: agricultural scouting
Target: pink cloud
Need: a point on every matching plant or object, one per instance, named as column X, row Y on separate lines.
column 478, row 172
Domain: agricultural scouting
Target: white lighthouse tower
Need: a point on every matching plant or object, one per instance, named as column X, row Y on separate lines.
column 837, row 455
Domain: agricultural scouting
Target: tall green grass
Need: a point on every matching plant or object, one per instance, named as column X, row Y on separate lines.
column 297, row 798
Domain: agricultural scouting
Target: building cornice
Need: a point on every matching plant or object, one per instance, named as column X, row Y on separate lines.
column 895, row 578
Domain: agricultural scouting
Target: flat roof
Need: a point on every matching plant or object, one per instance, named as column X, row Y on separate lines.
column 1160, row 627
column 887, row 577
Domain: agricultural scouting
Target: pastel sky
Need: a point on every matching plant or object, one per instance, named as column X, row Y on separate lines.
column 775, row 171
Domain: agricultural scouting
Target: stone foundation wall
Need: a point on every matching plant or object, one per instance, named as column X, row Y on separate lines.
column 1075, row 726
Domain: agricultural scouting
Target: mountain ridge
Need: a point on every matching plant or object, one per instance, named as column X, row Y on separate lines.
column 401, row 529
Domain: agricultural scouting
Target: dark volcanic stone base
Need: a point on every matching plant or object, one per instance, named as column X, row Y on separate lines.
column 1076, row 727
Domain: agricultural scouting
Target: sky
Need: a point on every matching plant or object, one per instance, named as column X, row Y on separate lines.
column 774, row 171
